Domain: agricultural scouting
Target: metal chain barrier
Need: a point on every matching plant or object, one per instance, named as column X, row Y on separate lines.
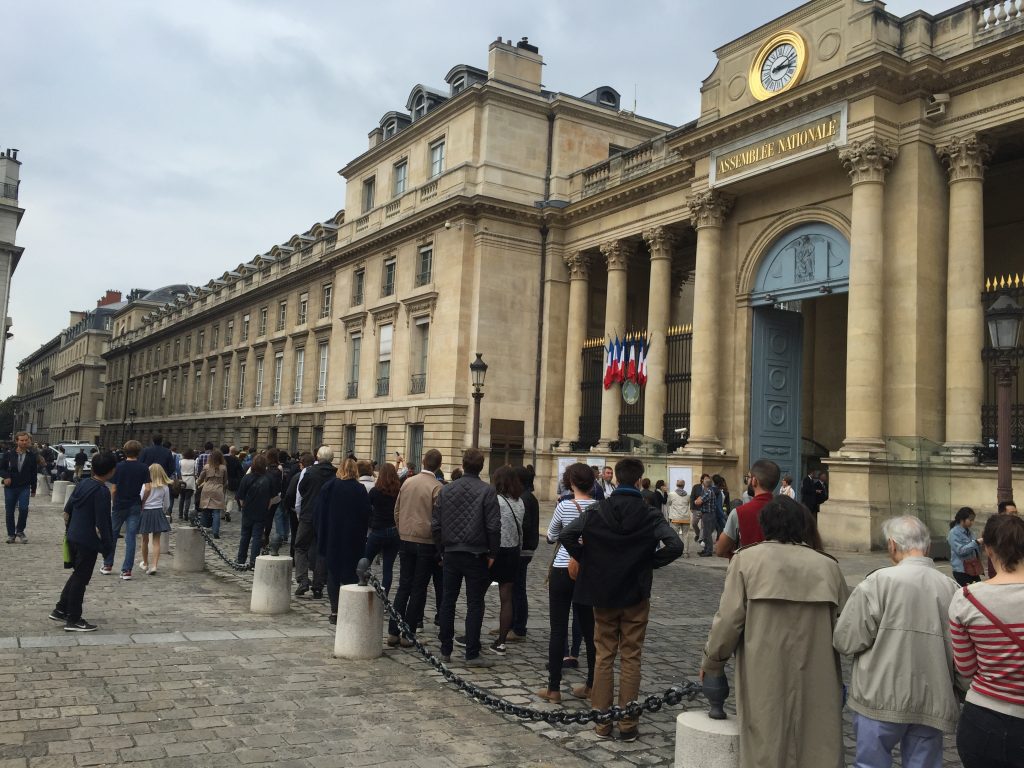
column 671, row 697
column 193, row 519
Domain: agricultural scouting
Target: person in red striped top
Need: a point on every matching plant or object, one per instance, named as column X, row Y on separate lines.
column 987, row 627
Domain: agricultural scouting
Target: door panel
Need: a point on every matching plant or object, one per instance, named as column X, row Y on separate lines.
column 775, row 388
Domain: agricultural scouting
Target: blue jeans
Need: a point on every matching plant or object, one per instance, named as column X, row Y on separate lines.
column 920, row 745
column 251, row 540
column 211, row 519
column 385, row 541
column 280, row 534
column 16, row 496
column 129, row 517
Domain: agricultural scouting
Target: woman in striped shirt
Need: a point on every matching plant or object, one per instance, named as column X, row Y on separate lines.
column 991, row 729
column 580, row 479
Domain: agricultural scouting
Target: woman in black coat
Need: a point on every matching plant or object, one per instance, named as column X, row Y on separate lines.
column 254, row 495
column 342, row 516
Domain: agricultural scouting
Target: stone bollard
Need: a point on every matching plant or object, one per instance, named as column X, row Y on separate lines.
column 271, row 585
column 705, row 743
column 360, row 633
column 189, row 550
column 61, row 490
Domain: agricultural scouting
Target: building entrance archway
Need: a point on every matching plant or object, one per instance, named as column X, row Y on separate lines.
column 798, row 347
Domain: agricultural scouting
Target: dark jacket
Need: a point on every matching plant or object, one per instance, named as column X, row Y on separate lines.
column 310, row 486
column 466, row 517
column 29, row 468
column 157, row 454
column 254, row 494
column 235, row 471
column 809, row 494
column 289, row 494
column 89, row 508
column 382, row 510
column 531, row 523
column 344, row 513
column 619, row 549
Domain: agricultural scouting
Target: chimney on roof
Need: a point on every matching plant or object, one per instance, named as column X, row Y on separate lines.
column 111, row 297
column 518, row 65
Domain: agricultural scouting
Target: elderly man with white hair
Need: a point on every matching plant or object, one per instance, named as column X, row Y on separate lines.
column 896, row 628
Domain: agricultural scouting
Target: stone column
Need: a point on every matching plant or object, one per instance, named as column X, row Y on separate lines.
column 576, row 334
column 867, row 161
column 965, row 159
column 660, row 241
column 708, row 210
column 616, row 256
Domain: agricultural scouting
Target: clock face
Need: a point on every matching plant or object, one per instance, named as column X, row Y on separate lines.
column 778, row 66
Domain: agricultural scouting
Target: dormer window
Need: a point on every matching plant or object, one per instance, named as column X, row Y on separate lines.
column 458, row 84
column 419, row 108
column 390, row 128
column 607, row 98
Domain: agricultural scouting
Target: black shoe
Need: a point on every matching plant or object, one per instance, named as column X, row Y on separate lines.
column 227, row 518
column 479, row 662
column 301, row 590
column 446, row 658
column 707, row 554
column 630, row 735
column 79, row 626
column 318, row 594
column 58, row 615
column 332, row 619
column 216, row 535
column 461, row 641
column 570, row 662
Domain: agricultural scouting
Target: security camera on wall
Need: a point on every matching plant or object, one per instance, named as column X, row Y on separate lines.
column 447, row 224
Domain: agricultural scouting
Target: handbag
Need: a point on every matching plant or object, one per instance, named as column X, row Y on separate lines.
column 574, row 564
column 972, row 566
column 992, row 617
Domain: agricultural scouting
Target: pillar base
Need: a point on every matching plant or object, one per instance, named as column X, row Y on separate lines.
column 189, row 550
column 709, row 445
column 705, row 743
column 61, row 490
column 862, row 448
column 360, row 632
column 962, row 453
column 563, row 446
column 272, row 585
column 603, row 446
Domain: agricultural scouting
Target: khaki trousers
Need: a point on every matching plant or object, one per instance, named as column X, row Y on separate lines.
column 618, row 631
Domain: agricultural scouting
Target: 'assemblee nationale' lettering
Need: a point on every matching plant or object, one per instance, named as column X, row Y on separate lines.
column 782, row 145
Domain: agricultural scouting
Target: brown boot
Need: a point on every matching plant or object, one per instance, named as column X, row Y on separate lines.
column 552, row 697
column 581, row 691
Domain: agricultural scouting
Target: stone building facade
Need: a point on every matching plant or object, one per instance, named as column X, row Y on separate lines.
column 33, row 410
column 808, row 259
column 10, row 253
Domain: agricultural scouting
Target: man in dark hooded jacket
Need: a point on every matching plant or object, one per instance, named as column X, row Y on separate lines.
column 305, row 538
column 618, row 543
column 87, row 517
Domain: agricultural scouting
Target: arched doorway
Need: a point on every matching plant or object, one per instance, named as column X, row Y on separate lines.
column 805, row 272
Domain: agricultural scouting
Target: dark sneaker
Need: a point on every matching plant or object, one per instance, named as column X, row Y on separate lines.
column 58, row 615
column 630, row 735
column 479, row 662
column 126, row 575
column 393, row 641
column 461, row 641
column 570, row 662
column 11, row 539
column 301, row 590
column 318, row 594
column 333, row 618
column 497, row 648
column 106, row 570
column 446, row 658
column 22, row 538
column 79, row 626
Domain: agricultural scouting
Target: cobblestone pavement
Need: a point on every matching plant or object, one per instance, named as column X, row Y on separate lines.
column 181, row 674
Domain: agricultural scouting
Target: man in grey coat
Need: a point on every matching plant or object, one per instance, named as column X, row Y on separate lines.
column 896, row 628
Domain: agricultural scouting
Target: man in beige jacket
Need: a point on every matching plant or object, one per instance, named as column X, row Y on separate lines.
column 896, row 628
column 417, row 555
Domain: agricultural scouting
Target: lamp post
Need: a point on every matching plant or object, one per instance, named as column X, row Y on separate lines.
column 77, row 422
column 131, row 422
column 64, row 430
column 478, row 369
column 1004, row 321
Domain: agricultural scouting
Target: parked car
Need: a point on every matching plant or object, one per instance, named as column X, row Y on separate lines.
column 64, row 467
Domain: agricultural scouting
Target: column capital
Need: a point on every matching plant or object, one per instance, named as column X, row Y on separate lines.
column 709, row 208
column 579, row 265
column 965, row 157
column 617, row 254
column 660, row 241
column 868, row 160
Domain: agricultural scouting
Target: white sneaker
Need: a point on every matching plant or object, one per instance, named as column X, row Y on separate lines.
column 142, row 564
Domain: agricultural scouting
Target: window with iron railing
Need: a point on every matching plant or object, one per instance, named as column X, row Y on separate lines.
column 352, row 390
column 358, row 281
column 388, row 280
column 418, row 385
column 326, row 292
column 424, row 265
column 383, row 382
column 282, row 315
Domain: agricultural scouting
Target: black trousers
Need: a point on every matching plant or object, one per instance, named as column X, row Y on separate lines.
column 473, row 568
column 416, row 564
column 307, row 557
column 989, row 739
column 560, row 591
column 73, row 595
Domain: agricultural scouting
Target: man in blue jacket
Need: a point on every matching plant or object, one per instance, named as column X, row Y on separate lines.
column 618, row 543
column 87, row 518
column 18, row 468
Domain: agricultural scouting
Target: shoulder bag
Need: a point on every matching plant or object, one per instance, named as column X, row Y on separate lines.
column 994, row 619
column 972, row 566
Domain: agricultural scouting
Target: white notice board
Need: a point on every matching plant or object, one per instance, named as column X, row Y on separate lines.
column 680, row 473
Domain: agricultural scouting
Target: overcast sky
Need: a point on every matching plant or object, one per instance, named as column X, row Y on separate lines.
column 165, row 142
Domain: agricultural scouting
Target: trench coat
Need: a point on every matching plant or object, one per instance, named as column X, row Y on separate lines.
column 777, row 612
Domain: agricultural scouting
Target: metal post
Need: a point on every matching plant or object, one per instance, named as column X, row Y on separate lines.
column 1004, row 378
column 477, row 397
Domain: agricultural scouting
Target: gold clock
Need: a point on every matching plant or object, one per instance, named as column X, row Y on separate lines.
column 778, row 66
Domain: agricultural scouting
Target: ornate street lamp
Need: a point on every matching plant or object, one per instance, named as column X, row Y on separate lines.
column 1004, row 321
column 478, row 369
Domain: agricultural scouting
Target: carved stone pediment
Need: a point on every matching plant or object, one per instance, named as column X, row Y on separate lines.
column 420, row 306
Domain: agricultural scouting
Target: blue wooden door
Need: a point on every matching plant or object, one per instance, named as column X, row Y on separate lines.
column 776, row 351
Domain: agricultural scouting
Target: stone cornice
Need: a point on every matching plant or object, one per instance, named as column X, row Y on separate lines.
column 964, row 157
column 868, row 160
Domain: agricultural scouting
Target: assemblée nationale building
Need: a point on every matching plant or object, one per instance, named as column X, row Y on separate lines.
column 810, row 259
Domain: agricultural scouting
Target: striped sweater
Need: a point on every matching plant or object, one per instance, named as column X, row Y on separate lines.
column 983, row 653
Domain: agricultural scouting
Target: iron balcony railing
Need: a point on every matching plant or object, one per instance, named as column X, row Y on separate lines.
column 418, row 385
column 353, row 390
column 383, row 386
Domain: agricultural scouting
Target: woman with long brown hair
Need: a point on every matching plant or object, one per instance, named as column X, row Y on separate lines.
column 383, row 536
column 211, row 483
